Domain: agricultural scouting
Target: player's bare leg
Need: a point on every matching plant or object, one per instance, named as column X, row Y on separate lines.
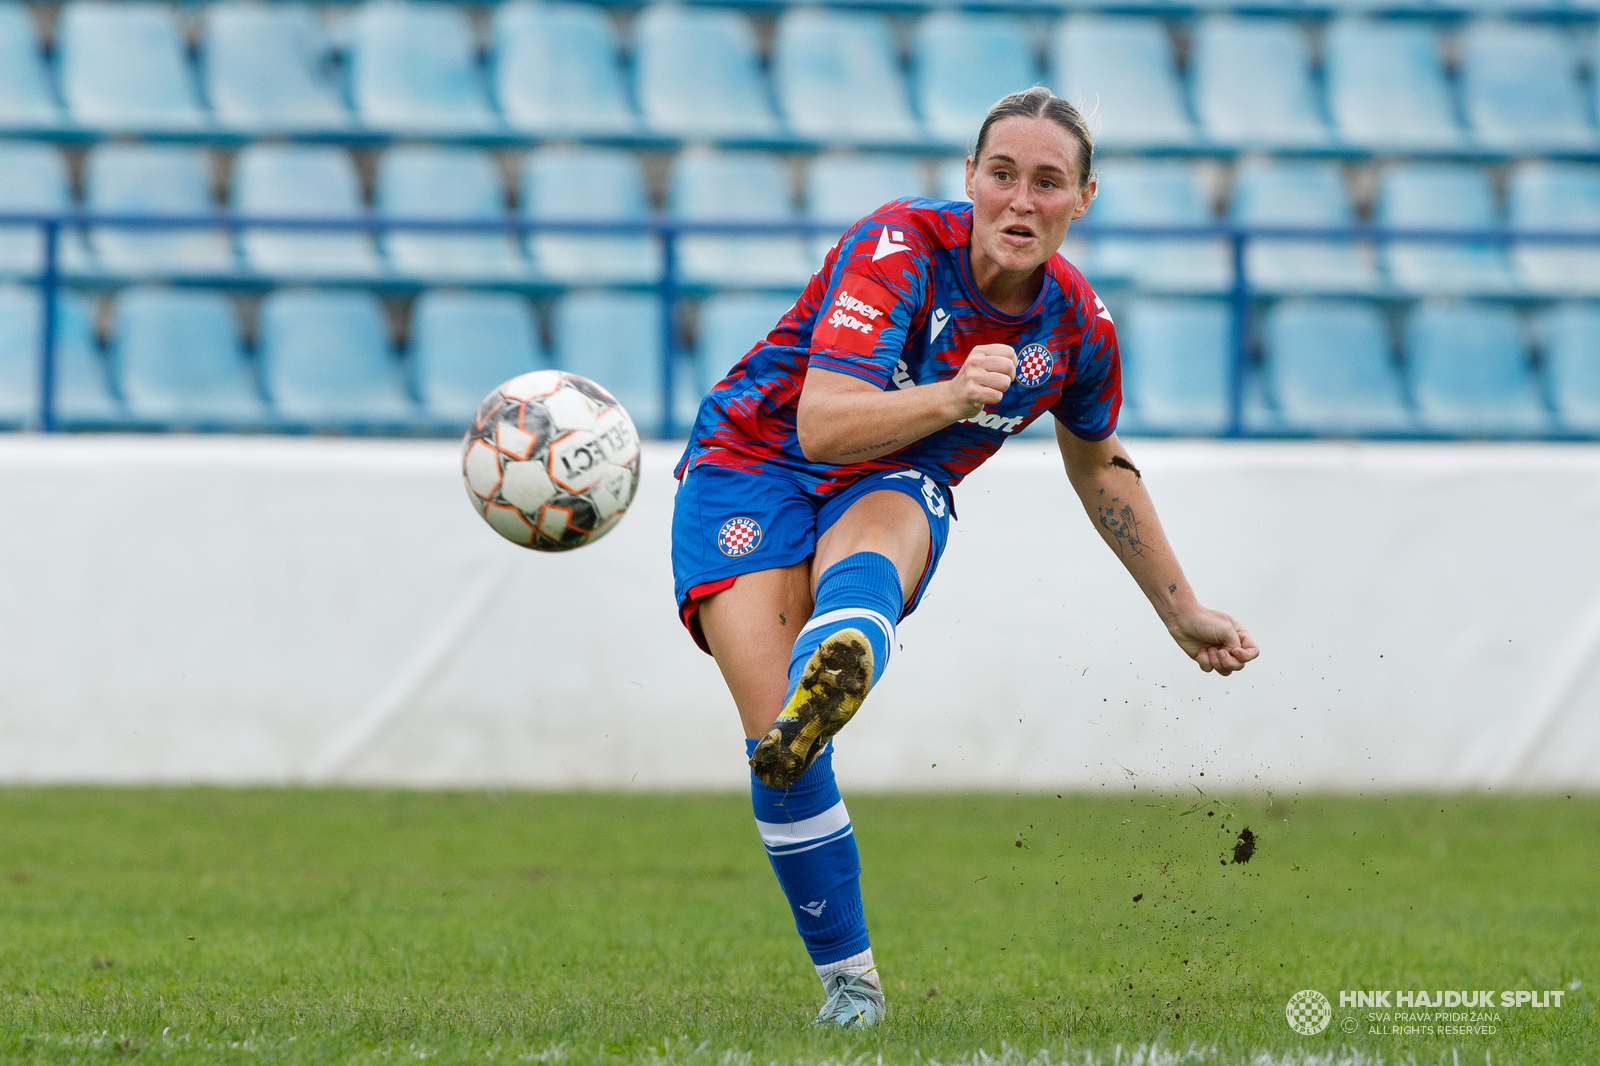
column 750, row 629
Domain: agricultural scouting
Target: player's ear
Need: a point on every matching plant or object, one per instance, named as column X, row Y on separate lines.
column 1085, row 197
column 972, row 172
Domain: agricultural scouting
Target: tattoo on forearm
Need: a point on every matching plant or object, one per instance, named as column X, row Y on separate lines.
column 1123, row 525
column 878, row 447
column 1122, row 464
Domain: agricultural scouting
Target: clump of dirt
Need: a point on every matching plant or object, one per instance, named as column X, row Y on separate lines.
column 930, row 993
column 1245, row 847
column 1137, row 898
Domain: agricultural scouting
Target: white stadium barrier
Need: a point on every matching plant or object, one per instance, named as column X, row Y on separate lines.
column 298, row 610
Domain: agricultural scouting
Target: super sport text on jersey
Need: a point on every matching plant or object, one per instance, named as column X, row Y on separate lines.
column 895, row 304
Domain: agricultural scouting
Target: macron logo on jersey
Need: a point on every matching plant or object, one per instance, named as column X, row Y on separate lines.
column 936, row 325
column 887, row 245
column 1102, row 309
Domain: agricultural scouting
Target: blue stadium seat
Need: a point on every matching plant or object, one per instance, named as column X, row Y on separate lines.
column 1470, row 372
column 270, row 67
column 1332, row 368
column 961, row 63
column 1157, row 192
column 736, row 186
column 950, row 179
column 1177, row 356
column 614, row 339
column 25, row 96
column 1122, row 69
column 302, row 181
column 1386, row 85
column 1520, row 87
column 557, row 69
column 123, row 67
column 139, row 179
column 1570, row 335
column 177, row 358
column 35, row 180
column 843, row 188
column 432, row 181
column 413, row 68
column 1442, row 196
column 464, row 344
column 326, row 360
column 837, row 79
column 588, row 183
column 1556, row 196
column 1300, row 193
column 81, row 391
column 730, row 325
column 697, row 75
column 1252, row 83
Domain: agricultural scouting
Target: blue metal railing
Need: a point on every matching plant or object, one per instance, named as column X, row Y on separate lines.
column 670, row 287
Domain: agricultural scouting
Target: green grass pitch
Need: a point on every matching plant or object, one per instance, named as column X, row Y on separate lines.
column 262, row 926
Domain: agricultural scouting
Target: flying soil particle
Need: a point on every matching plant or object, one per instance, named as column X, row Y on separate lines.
column 1122, row 464
column 1137, row 898
column 1245, row 847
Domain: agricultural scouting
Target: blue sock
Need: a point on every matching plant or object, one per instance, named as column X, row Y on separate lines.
column 807, row 833
column 860, row 591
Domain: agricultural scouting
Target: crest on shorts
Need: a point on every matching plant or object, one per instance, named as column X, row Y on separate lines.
column 739, row 536
column 1034, row 366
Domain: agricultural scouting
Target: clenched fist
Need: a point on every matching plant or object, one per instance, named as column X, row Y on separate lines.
column 983, row 379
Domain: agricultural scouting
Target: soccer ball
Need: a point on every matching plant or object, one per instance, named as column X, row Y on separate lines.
column 551, row 461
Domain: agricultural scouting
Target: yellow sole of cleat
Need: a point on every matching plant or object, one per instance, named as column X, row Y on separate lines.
column 835, row 682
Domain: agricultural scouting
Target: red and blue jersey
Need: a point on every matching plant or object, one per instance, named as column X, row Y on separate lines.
column 895, row 304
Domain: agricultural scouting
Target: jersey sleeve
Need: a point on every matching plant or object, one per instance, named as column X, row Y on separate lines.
column 1091, row 401
column 877, row 277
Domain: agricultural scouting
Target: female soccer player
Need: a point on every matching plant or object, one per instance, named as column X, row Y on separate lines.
column 815, row 494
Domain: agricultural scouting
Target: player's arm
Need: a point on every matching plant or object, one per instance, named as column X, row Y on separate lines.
column 1114, row 496
column 845, row 419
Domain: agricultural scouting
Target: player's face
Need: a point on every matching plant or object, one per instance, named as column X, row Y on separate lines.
column 1025, row 192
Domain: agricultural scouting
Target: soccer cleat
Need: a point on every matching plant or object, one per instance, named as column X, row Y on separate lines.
column 835, row 682
column 852, row 1003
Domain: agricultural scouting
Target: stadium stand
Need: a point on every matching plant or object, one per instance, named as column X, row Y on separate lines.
column 1177, row 354
column 1470, row 372
column 1252, row 83
column 1157, row 192
column 25, row 96
column 837, row 78
column 1332, row 368
column 1442, row 196
column 124, row 67
column 301, row 181
column 1121, row 69
column 178, row 360
column 748, row 186
column 994, row 56
column 950, row 179
column 1556, row 196
column 154, row 179
column 271, row 68
column 616, row 338
column 697, row 74
column 326, row 359
column 1300, row 193
column 432, row 181
column 1520, row 87
column 1386, row 85
column 413, row 69
column 35, row 180
column 843, row 188
column 730, row 325
column 1570, row 336
column 558, row 70
column 590, row 183
column 82, row 393
column 463, row 345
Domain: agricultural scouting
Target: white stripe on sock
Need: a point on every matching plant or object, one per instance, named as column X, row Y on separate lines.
column 852, row 612
column 787, row 834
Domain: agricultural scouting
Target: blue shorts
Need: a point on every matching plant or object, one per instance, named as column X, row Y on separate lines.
column 730, row 522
